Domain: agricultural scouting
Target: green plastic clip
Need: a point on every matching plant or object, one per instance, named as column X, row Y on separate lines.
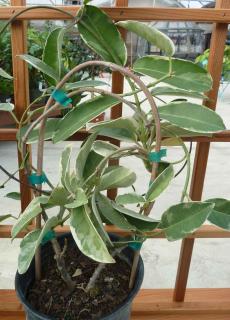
column 48, row 236
column 61, row 97
column 35, row 179
column 156, row 156
column 136, row 246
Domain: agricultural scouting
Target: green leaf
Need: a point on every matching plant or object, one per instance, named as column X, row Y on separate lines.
column 87, row 237
column 13, row 195
column 59, row 196
column 109, row 213
column 41, row 66
column 104, row 148
column 80, row 200
column 162, row 166
column 170, row 91
column 220, row 215
column 28, row 247
column 4, row 217
column 31, row 211
column 84, row 84
column 31, row 242
column 50, row 127
column 98, row 222
column 122, row 129
column 83, row 113
column 141, row 222
column 151, row 34
column 6, row 107
column 118, row 177
column 5, row 75
column 184, row 218
column 92, row 162
column 173, row 141
column 52, row 53
column 129, row 198
column 186, row 74
column 170, row 130
column 81, row 160
column 160, row 184
column 65, row 166
column 192, row 117
column 101, row 35
column 74, row 182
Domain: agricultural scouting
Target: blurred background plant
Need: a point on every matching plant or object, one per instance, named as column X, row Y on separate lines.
column 203, row 60
column 74, row 51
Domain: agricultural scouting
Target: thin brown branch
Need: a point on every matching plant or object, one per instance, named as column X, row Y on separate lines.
column 11, row 176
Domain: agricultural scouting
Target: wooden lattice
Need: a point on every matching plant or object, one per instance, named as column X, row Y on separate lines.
column 150, row 304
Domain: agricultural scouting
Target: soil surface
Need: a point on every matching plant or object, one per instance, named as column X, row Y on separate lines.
column 48, row 295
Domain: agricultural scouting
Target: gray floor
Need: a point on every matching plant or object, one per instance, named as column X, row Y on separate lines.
column 210, row 264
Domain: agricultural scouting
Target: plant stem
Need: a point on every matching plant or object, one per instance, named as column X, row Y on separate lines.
column 184, row 192
column 16, row 15
column 150, row 85
column 60, row 260
column 22, row 120
column 134, row 268
column 153, row 84
column 182, row 168
column 188, row 162
column 14, row 117
column 59, row 257
column 95, row 276
column 11, row 176
column 99, row 269
column 137, row 102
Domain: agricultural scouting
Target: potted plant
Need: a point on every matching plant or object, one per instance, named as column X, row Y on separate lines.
column 75, row 276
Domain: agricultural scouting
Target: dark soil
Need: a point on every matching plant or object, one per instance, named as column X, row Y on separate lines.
column 48, row 295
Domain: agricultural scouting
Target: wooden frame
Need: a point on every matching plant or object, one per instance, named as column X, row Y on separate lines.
column 164, row 304
column 221, row 15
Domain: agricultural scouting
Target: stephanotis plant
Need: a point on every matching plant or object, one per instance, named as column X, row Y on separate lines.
column 79, row 198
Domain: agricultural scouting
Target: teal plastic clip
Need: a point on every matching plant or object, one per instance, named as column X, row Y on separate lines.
column 61, row 97
column 135, row 245
column 48, row 236
column 35, row 179
column 156, row 156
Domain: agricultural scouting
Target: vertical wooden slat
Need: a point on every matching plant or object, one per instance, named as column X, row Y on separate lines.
column 21, row 86
column 117, row 87
column 202, row 150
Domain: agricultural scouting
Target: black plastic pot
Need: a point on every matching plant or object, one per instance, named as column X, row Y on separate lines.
column 23, row 283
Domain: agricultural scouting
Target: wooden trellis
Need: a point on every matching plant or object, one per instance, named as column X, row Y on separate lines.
column 178, row 303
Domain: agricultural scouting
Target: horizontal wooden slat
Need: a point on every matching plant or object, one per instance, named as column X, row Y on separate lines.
column 10, row 135
column 223, row 136
column 197, row 301
column 206, row 231
column 121, row 13
column 151, row 304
